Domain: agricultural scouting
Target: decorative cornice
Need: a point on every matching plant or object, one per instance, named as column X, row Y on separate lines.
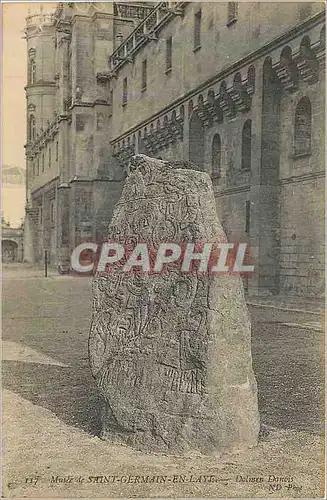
column 70, row 104
column 40, row 84
column 124, row 153
column 159, row 136
column 104, row 179
column 213, row 108
column 302, row 177
column 233, row 190
column 239, row 95
column 80, row 179
column 301, row 63
column 288, row 180
column 45, row 187
column 40, row 19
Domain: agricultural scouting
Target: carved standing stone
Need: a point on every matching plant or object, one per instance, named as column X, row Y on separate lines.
column 171, row 353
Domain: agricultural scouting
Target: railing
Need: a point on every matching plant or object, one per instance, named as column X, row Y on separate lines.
column 68, row 104
column 37, row 19
column 145, row 31
column 44, row 135
column 132, row 11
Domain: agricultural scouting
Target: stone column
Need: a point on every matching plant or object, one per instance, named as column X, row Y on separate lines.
column 264, row 195
column 255, row 188
column 63, row 226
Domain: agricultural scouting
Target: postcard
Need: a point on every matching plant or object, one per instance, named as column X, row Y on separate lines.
column 163, row 250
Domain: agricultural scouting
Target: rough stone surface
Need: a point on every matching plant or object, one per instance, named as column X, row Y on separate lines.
column 171, row 353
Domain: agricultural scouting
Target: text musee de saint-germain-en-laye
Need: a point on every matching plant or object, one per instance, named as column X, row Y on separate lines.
column 178, row 478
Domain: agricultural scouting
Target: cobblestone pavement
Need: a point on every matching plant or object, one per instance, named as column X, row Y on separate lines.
column 50, row 400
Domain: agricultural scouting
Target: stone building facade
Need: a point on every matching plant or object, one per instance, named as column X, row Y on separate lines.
column 13, row 182
column 237, row 88
column 12, row 244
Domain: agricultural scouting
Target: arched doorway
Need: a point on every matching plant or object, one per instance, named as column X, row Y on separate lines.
column 196, row 141
column 9, row 251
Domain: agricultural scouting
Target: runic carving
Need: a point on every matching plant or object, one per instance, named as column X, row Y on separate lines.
column 171, row 351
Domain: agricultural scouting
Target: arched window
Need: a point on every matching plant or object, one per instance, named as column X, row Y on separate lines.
column 31, row 128
column 246, row 145
column 216, row 157
column 302, row 132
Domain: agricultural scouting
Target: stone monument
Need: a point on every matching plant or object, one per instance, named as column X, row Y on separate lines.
column 171, row 351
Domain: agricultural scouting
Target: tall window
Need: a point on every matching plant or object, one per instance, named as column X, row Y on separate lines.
column 57, row 151
column 40, row 216
column 247, row 216
column 42, row 162
column 197, row 29
column 144, row 74
column 38, row 166
column 52, row 212
column 169, row 46
column 232, row 13
column 125, row 91
column 246, row 145
column 216, row 157
column 302, row 133
column 31, row 71
column 49, row 158
column 31, row 128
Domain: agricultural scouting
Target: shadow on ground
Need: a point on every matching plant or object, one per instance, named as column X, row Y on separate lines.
column 53, row 318
column 70, row 393
column 289, row 386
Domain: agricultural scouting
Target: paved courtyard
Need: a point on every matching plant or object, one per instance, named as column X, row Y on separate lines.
column 50, row 410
